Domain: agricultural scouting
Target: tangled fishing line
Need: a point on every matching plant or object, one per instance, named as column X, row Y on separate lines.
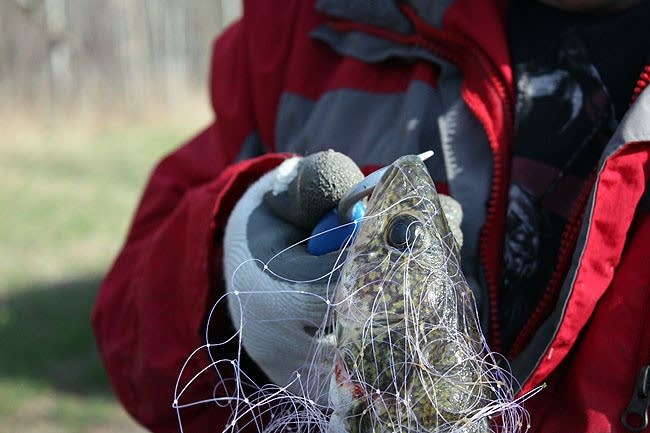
column 383, row 353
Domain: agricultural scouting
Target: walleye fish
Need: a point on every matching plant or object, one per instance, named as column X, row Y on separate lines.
column 410, row 356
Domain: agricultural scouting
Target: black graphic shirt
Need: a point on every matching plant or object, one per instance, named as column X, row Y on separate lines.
column 574, row 81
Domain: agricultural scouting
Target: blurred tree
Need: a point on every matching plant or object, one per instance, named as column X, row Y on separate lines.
column 99, row 56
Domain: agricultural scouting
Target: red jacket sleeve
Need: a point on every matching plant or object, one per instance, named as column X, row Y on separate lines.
column 150, row 311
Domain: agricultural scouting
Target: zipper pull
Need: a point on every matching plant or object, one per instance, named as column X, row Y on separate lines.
column 635, row 416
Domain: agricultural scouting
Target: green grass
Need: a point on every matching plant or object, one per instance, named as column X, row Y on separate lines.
column 67, row 196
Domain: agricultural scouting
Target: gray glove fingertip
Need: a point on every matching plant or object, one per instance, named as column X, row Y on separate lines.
column 320, row 181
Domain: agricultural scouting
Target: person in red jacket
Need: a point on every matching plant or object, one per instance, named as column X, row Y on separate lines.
column 538, row 116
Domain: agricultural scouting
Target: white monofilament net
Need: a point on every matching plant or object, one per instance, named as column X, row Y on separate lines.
column 393, row 342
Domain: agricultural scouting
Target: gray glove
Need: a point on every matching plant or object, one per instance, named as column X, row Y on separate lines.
column 277, row 291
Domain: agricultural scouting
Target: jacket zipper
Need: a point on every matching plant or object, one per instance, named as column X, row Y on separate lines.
column 635, row 416
column 641, row 83
column 568, row 242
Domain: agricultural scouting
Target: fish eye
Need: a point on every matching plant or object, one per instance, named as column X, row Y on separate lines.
column 402, row 231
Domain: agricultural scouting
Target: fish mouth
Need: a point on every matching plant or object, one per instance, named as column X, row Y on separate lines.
column 408, row 167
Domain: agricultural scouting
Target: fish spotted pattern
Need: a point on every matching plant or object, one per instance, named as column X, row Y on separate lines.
column 410, row 356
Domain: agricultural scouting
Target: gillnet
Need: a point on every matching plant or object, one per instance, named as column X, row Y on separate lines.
column 386, row 341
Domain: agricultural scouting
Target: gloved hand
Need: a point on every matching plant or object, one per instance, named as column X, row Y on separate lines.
column 278, row 291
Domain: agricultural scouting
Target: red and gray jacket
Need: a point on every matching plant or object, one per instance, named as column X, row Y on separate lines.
column 376, row 82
